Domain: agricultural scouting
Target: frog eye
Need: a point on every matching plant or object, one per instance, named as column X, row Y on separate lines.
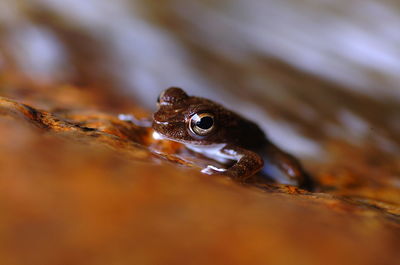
column 202, row 124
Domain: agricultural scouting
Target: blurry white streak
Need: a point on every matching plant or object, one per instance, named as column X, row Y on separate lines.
column 351, row 127
column 367, row 50
column 309, row 39
column 386, row 145
column 152, row 61
column 310, row 46
column 281, row 133
column 38, row 52
column 145, row 57
column 87, row 13
column 355, row 130
column 379, row 11
column 228, row 33
column 355, row 125
column 326, row 47
column 215, row 29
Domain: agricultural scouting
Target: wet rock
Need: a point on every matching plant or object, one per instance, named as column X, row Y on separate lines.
column 74, row 193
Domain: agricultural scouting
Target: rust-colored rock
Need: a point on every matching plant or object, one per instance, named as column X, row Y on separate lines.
column 73, row 193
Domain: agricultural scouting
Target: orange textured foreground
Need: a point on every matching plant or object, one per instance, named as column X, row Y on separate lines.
column 70, row 195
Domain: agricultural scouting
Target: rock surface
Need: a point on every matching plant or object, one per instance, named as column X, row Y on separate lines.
column 73, row 194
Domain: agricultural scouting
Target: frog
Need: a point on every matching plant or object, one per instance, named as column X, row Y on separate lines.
column 208, row 128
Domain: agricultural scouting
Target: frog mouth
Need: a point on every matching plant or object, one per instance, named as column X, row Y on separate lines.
column 159, row 136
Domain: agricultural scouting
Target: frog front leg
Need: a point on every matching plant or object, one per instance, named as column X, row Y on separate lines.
column 247, row 163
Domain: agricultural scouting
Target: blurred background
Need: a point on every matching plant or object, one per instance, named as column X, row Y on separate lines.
column 307, row 71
